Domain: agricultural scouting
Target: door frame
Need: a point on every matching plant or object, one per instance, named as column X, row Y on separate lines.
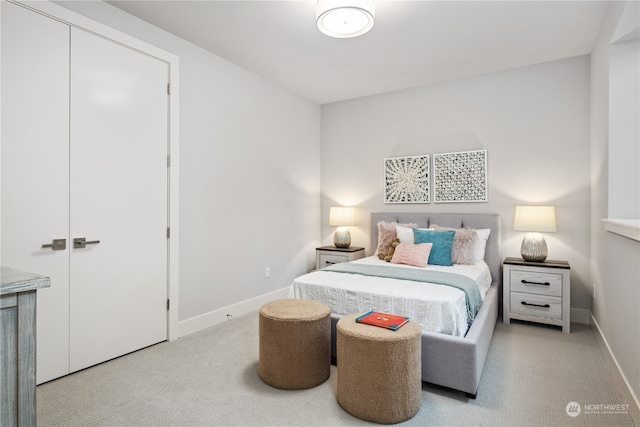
column 74, row 19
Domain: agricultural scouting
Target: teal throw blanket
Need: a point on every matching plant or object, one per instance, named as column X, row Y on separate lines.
column 467, row 285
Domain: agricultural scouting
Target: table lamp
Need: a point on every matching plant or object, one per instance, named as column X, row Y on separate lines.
column 534, row 220
column 342, row 217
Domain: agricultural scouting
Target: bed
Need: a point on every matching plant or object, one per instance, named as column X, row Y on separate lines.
column 453, row 350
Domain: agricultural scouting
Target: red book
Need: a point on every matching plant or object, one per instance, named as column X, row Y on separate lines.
column 384, row 320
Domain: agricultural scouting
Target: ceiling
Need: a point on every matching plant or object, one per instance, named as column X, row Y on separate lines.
column 412, row 43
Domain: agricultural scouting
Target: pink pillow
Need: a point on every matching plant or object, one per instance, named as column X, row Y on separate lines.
column 410, row 254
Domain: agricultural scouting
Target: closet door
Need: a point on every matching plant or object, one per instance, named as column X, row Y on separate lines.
column 35, row 170
column 118, row 199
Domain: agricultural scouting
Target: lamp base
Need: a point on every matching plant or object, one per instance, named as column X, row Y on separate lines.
column 342, row 238
column 534, row 248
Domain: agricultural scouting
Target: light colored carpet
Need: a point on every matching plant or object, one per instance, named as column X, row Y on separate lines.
column 210, row 379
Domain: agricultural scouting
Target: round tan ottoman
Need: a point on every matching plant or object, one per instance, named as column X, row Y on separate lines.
column 379, row 370
column 295, row 343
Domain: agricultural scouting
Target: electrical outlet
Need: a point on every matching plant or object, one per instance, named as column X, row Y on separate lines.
column 594, row 291
column 267, row 272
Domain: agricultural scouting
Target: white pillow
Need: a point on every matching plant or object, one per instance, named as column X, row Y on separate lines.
column 480, row 244
column 405, row 234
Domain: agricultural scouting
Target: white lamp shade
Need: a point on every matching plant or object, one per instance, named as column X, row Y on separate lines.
column 345, row 18
column 342, row 216
column 540, row 219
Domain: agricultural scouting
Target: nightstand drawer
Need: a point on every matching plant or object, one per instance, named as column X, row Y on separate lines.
column 533, row 282
column 329, row 255
column 325, row 260
column 536, row 305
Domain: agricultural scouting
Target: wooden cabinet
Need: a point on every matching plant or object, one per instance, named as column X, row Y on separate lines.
column 328, row 255
column 18, row 346
column 537, row 292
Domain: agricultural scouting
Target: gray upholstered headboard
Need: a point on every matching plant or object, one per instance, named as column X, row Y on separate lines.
column 456, row 220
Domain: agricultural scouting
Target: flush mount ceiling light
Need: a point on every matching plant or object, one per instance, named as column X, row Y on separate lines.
column 345, row 18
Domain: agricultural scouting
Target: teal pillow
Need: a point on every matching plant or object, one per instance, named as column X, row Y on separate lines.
column 442, row 241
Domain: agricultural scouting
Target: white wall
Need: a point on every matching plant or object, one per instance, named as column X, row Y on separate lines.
column 624, row 132
column 614, row 258
column 249, row 177
column 534, row 123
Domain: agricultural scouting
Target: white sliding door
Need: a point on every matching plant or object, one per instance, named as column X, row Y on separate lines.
column 35, row 169
column 118, row 197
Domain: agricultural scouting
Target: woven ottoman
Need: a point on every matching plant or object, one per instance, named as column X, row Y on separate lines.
column 294, row 343
column 379, row 370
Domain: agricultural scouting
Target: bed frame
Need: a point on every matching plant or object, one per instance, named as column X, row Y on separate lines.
column 450, row 361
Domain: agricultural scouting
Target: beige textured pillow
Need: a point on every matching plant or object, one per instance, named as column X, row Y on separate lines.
column 463, row 244
column 386, row 233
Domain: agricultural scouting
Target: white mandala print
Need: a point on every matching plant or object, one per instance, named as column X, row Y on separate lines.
column 406, row 179
column 460, row 177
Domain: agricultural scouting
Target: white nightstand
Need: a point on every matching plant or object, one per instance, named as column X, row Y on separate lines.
column 536, row 292
column 328, row 255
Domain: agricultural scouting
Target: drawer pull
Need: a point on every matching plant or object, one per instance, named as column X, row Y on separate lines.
column 526, row 282
column 330, row 263
column 535, row 305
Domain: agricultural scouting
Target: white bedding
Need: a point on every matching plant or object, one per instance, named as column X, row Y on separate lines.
column 436, row 308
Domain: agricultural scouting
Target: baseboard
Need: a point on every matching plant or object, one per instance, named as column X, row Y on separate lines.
column 580, row 315
column 619, row 378
column 198, row 323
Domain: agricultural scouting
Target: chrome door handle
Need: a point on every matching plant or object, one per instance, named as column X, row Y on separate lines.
column 81, row 242
column 56, row 245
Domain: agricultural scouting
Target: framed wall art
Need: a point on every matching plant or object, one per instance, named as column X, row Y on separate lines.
column 406, row 179
column 460, row 177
